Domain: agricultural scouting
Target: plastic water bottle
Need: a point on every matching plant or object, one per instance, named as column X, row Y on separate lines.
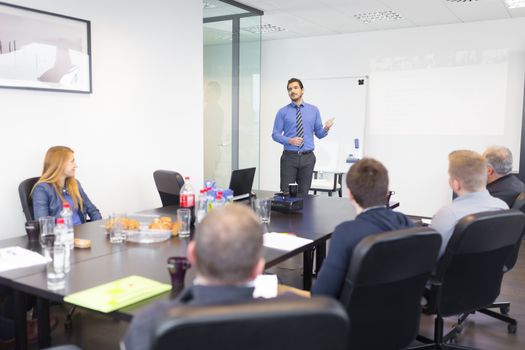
column 219, row 200
column 61, row 239
column 67, row 215
column 187, row 198
column 202, row 206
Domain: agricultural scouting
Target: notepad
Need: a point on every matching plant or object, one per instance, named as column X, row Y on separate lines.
column 284, row 241
column 117, row 294
column 17, row 262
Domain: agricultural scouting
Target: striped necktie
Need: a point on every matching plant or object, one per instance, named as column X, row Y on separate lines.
column 299, row 124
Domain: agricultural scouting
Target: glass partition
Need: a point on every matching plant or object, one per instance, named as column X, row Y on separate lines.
column 249, row 94
column 218, row 101
column 232, row 65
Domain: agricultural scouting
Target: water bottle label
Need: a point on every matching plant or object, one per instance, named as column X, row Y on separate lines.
column 187, row 200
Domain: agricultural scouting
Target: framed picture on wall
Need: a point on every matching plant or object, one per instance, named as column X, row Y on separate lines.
column 44, row 51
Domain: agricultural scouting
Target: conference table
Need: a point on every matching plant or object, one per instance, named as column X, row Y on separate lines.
column 105, row 262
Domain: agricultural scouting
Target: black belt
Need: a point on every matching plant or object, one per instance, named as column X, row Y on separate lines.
column 298, row 152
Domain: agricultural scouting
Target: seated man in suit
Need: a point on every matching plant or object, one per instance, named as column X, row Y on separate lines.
column 367, row 181
column 227, row 255
column 467, row 172
column 500, row 182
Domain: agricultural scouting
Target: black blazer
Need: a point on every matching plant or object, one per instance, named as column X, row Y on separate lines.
column 506, row 188
column 139, row 335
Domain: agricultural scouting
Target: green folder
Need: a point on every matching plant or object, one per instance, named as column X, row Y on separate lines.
column 117, row 294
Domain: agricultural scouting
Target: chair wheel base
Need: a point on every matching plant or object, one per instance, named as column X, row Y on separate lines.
column 512, row 328
column 505, row 309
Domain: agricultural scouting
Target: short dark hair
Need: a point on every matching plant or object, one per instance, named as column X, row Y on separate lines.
column 294, row 80
column 367, row 179
column 228, row 244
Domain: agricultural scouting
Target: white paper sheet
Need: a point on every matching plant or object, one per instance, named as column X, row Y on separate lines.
column 265, row 286
column 284, row 241
column 16, row 262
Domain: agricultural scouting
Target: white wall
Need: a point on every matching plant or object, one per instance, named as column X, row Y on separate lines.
column 145, row 112
column 417, row 167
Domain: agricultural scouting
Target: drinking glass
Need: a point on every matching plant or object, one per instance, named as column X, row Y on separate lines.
column 56, row 274
column 263, row 209
column 116, row 234
column 47, row 230
column 184, row 218
column 177, row 266
column 33, row 230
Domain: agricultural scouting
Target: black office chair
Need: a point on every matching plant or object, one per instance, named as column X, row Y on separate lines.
column 169, row 184
column 384, row 285
column 504, row 306
column 24, row 191
column 277, row 324
column 468, row 276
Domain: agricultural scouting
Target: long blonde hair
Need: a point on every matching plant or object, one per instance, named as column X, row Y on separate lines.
column 54, row 164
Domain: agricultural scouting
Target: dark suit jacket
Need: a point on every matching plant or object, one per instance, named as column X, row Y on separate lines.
column 506, row 188
column 344, row 239
column 139, row 335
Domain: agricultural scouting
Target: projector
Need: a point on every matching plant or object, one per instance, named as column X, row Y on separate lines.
column 287, row 204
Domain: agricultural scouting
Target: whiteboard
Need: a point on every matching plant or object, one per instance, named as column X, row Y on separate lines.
column 342, row 98
column 417, row 117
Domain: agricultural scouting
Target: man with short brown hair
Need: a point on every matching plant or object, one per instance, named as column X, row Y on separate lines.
column 467, row 178
column 227, row 254
column 367, row 181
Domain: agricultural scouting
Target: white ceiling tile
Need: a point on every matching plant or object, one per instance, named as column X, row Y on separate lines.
column 422, row 13
column 517, row 12
column 478, row 10
column 322, row 17
column 295, row 24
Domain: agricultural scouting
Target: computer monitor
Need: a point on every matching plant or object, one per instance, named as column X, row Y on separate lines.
column 241, row 183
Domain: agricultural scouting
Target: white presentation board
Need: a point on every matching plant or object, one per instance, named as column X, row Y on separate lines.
column 417, row 117
column 344, row 99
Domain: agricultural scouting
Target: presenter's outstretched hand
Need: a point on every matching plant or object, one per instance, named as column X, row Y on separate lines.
column 329, row 124
column 296, row 141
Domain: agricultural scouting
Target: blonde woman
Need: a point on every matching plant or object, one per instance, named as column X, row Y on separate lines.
column 57, row 185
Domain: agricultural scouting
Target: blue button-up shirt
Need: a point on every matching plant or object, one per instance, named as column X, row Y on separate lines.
column 284, row 127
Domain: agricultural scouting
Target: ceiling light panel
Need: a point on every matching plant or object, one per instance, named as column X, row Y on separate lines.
column 378, row 16
column 264, row 28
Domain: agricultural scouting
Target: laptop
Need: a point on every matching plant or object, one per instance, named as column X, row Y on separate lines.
column 241, row 183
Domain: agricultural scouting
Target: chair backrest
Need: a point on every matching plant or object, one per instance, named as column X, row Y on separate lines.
column 169, row 184
column 24, row 191
column 384, row 285
column 277, row 324
column 519, row 204
column 470, row 272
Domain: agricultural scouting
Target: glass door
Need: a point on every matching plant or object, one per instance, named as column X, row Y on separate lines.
column 232, row 65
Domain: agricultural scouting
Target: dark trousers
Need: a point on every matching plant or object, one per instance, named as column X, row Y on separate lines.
column 297, row 168
column 7, row 312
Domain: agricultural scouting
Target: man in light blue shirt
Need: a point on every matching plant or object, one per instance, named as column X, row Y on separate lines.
column 294, row 127
column 467, row 177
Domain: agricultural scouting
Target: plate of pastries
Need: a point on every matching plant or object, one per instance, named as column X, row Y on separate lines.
column 157, row 230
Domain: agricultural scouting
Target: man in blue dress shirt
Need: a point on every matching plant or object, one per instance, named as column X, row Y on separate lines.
column 467, row 172
column 294, row 127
